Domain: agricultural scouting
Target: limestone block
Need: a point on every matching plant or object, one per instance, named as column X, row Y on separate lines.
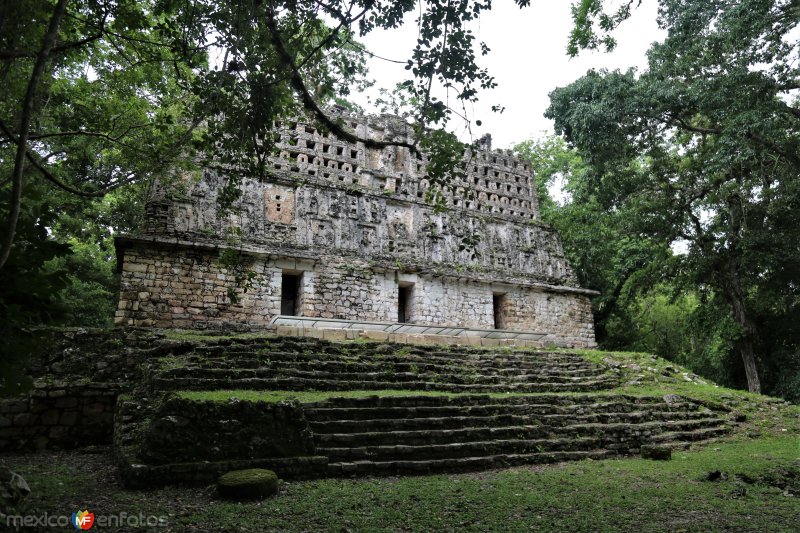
column 334, row 334
column 469, row 340
column 289, row 331
column 375, row 335
column 398, row 337
column 314, row 333
column 435, row 339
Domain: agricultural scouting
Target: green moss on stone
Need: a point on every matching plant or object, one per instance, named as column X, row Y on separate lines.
column 251, row 484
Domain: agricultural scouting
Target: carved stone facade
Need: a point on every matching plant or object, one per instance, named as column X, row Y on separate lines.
column 342, row 231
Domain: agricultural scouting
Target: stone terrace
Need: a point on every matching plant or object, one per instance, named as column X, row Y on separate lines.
column 443, row 408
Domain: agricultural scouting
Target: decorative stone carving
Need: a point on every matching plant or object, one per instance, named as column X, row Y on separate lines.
column 358, row 218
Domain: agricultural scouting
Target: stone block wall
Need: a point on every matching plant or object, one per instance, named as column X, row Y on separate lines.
column 183, row 430
column 77, row 377
column 320, row 216
column 188, row 288
column 58, row 416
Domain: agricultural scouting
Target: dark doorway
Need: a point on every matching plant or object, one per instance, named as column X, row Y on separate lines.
column 290, row 293
column 499, row 305
column 404, row 297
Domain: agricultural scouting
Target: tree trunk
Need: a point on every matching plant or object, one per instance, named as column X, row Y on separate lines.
column 15, row 201
column 745, row 346
column 735, row 297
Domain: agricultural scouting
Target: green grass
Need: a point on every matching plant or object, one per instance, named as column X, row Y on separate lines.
column 758, row 459
column 274, row 396
column 609, row 495
column 301, row 396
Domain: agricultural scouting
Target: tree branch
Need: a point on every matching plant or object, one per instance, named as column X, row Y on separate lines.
column 310, row 104
column 25, row 125
column 17, row 54
column 681, row 123
column 673, row 119
column 57, row 182
column 325, row 42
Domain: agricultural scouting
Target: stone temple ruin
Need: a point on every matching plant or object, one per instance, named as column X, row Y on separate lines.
column 344, row 247
column 344, row 233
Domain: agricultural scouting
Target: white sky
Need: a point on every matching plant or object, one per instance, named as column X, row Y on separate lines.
column 528, row 60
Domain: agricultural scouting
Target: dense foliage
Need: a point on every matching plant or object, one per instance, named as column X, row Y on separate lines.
column 701, row 150
column 103, row 96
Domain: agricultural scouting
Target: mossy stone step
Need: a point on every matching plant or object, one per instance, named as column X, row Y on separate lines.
column 680, row 437
column 389, row 376
column 347, row 430
column 288, row 383
column 363, row 365
column 498, row 421
column 460, row 464
column 357, row 414
column 276, row 356
column 572, row 400
column 462, row 449
column 429, row 436
column 626, row 438
column 339, row 409
column 652, row 428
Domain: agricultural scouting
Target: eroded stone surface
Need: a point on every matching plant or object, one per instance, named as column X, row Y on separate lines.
column 354, row 226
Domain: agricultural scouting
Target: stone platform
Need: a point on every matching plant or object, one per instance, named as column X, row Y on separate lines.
column 393, row 409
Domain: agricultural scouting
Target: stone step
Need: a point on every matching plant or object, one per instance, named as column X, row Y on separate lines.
column 460, row 449
column 361, row 365
column 136, row 475
column 126, row 418
column 652, row 428
column 459, row 358
column 296, row 384
column 429, row 436
column 579, row 437
column 289, row 345
column 387, row 376
column 348, row 430
column 572, row 400
column 685, row 436
column 459, row 464
column 358, row 415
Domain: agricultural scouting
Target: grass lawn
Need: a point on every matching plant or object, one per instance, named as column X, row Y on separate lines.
column 756, row 485
column 758, row 491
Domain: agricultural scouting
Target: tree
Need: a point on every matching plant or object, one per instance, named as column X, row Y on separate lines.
column 104, row 95
column 704, row 148
column 599, row 238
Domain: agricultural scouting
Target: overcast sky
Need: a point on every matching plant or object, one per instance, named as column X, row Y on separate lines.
column 528, row 60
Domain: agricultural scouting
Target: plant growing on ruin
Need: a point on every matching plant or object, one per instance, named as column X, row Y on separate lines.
column 235, row 261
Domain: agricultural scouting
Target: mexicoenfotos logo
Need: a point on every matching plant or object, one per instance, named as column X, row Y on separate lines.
column 83, row 519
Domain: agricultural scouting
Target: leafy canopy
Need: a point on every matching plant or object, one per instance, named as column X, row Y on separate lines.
column 704, row 148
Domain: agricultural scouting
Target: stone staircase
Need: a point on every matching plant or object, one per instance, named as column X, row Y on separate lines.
column 476, row 409
column 310, row 364
column 397, row 435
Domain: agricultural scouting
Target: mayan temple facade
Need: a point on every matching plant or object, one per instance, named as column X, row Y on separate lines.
column 343, row 232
